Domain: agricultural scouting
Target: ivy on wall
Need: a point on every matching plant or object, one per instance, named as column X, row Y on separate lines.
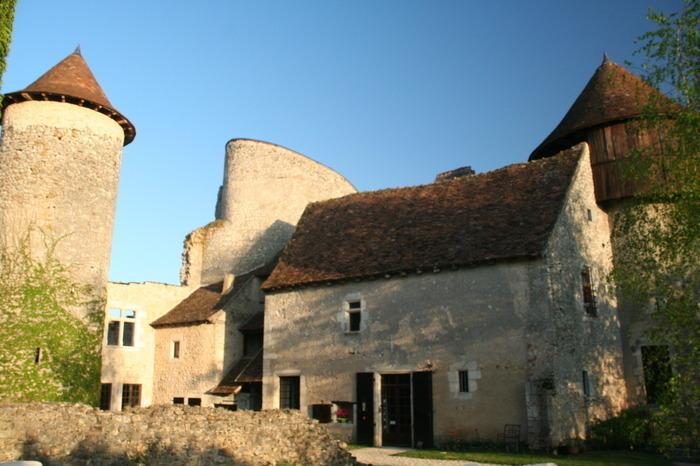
column 50, row 329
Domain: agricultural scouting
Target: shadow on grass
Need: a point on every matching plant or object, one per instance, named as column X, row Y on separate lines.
column 590, row 458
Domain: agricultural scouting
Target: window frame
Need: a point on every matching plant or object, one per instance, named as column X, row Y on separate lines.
column 290, row 391
column 116, row 333
column 131, row 395
column 588, row 292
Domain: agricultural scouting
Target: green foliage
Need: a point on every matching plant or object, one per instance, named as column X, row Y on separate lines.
column 7, row 17
column 47, row 353
column 657, row 268
column 629, row 430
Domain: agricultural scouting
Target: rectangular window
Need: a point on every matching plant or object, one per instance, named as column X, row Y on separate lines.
column 589, row 304
column 106, row 397
column 586, row 383
column 252, row 342
column 354, row 320
column 131, row 395
column 289, row 392
column 194, row 401
column 464, row 381
column 178, row 401
column 176, row 350
column 121, row 327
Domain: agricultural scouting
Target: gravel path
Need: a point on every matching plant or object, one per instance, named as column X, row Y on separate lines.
column 382, row 457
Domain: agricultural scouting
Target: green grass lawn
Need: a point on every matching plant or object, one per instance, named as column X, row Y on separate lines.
column 590, row 458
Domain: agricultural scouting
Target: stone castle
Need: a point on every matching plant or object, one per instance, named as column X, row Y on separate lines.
column 398, row 317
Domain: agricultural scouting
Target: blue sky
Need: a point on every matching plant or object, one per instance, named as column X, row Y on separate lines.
column 386, row 92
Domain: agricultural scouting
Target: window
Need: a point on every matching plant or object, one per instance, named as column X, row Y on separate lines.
column 120, row 330
column 585, row 383
column 289, row 392
column 252, row 342
column 131, row 395
column 589, row 304
column 354, row 316
column 194, row 401
column 464, row 381
column 176, row 350
column 178, row 401
column 106, row 397
column 656, row 363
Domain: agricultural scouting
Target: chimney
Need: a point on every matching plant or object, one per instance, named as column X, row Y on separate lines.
column 456, row 173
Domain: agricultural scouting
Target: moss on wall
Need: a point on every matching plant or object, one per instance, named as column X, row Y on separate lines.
column 47, row 353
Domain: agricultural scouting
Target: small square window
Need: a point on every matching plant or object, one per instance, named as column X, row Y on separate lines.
column 194, row 401
column 464, row 381
column 178, row 401
column 354, row 305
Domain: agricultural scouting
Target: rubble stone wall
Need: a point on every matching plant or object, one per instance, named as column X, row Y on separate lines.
column 73, row 434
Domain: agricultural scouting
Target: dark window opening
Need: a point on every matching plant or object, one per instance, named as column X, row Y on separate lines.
column 226, row 406
column 586, row 383
column 113, row 333
column 589, row 303
column 176, row 350
column 178, row 401
column 194, row 401
column 37, row 356
column 106, row 397
column 354, row 320
column 128, row 334
column 464, row 381
column 131, row 395
column 354, row 305
column 289, row 392
column 656, row 362
column 252, row 342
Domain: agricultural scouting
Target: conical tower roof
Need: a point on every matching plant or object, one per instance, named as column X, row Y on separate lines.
column 612, row 94
column 72, row 81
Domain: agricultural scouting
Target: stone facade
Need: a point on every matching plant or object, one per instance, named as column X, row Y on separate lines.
column 163, row 435
column 265, row 190
column 504, row 327
column 133, row 364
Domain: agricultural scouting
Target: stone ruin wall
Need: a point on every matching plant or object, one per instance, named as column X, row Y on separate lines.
column 265, row 190
column 75, row 434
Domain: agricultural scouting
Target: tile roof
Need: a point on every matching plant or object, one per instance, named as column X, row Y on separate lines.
column 246, row 370
column 204, row 302
column 72, row 81
column 197, row 308
column 612, row 94
column 504, row 214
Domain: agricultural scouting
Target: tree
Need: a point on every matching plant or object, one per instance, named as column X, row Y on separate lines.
column 658, row 264
column 7, row 17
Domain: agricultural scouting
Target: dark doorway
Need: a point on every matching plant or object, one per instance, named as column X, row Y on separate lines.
column 396, row 409
column 422, row 409
column 365, row 408
column 656, row 362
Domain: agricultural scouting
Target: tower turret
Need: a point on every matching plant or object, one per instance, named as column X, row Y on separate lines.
column 604, row 116
column 59, row 166
column 60, row 156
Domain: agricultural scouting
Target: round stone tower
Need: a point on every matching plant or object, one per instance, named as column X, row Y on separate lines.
column 59, row 169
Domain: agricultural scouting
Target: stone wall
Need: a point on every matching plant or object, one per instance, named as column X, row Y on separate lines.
column 134, row 364
column 265, row 190
column 63, row 433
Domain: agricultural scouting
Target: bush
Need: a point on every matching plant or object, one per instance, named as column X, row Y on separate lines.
column 629, row 430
